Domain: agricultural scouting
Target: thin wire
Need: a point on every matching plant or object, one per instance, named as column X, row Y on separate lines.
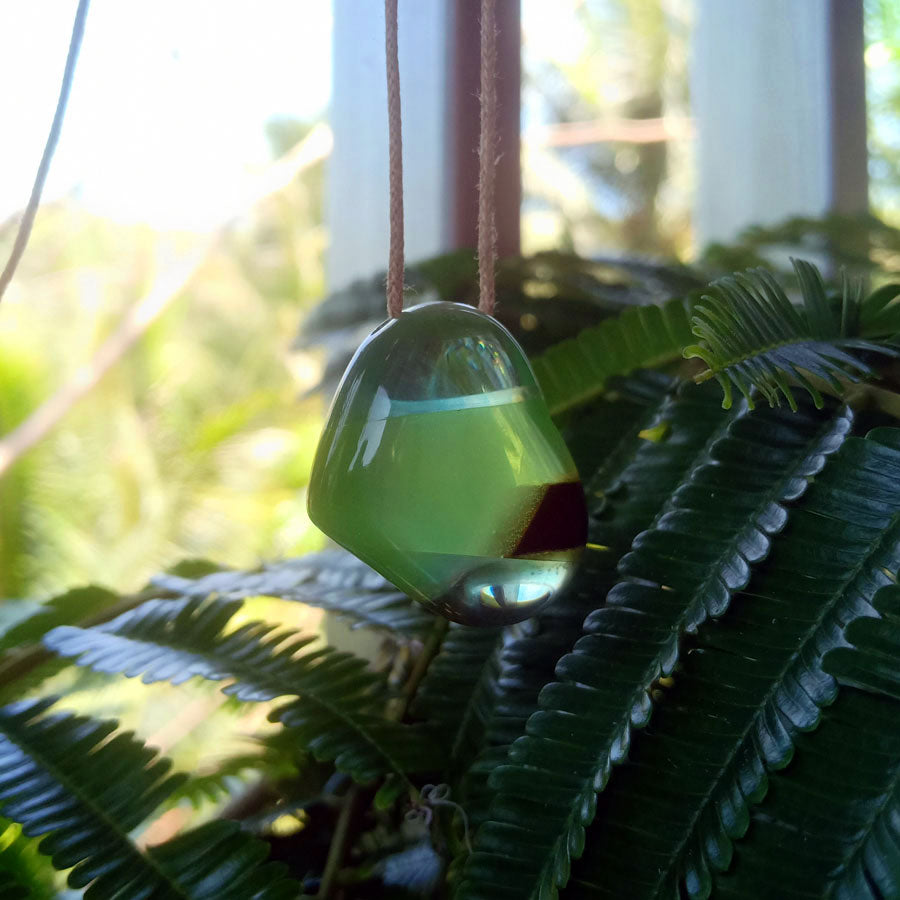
column 487, row 159
column 25, row 226
column 395, row 133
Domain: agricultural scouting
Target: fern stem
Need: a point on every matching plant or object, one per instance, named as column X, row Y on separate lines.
column 338, row 843
column 420, row 668
column 397, row 712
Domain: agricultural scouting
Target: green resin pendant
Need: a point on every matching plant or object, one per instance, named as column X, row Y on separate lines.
column 441, row 468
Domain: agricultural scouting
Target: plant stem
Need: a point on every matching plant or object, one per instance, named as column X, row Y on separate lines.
column 40, row 178
column 338, row 848
column 420, row 668
column 338, row 843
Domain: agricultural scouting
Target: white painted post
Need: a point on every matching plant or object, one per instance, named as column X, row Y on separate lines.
column 778, row 96
column 358, row 169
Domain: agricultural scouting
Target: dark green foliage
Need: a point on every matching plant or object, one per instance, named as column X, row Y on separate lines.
column 337, row 715
column 217, row 861
column 228, row 777
column 523, row 662
column 871, row 663
column 858, row 243
column 83, row 788
column 745, row 693
column 830, row 825
column 11, row 888
column 753, row 336
column 543, row 300
column 696, row 554
column 709, row 711
column 79, row 603
column 642, row 337
column 461, row 690
column 879, row 314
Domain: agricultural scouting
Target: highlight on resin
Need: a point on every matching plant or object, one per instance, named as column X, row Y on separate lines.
column 441, row 468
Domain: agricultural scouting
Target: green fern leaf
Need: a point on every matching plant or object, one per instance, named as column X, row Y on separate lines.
column 830, row 825
column 703, row 549
column 577, row 370
column 460, row 689
column 749, row 686
column 73, row 605
column 218, row 861
column 229, row 776
column 340, row 705
column 880, row 313
column 752, row 336
column 873, row 661
column 623, row 499
column 16, row 642
column 83, row 788
column 601, row 433
column 333, row 580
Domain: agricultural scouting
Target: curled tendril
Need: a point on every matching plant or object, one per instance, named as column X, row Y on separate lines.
column 431, row 796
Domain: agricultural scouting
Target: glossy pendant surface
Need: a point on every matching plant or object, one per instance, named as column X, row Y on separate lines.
column 441, row 468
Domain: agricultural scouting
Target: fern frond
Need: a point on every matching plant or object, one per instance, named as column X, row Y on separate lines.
column 73, row 605
column 333, row 580
column 458, row 692
column 620, row 505
column 750, row 685
column 224, row 780
column 218, row 861
column 175, row 640
column 830, row 825
column 482, row 681
column 577, row 370
column 697, row 554
column 879, row 315
column 83, row 788
column 752, row 336
column 872, row 663
column 604, row 434
column 19, row 676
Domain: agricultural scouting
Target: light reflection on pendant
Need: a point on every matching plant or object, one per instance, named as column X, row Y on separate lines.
column 440, row 467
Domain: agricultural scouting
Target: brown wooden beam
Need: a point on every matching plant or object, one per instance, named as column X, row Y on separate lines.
column 847, row 93
column 464, row 76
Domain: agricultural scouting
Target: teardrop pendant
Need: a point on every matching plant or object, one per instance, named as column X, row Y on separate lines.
column 441, row 468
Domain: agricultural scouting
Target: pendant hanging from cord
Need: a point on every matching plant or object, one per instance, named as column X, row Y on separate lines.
column 439, row 464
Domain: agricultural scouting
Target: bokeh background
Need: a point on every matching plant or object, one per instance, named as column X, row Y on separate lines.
column 184, row 238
